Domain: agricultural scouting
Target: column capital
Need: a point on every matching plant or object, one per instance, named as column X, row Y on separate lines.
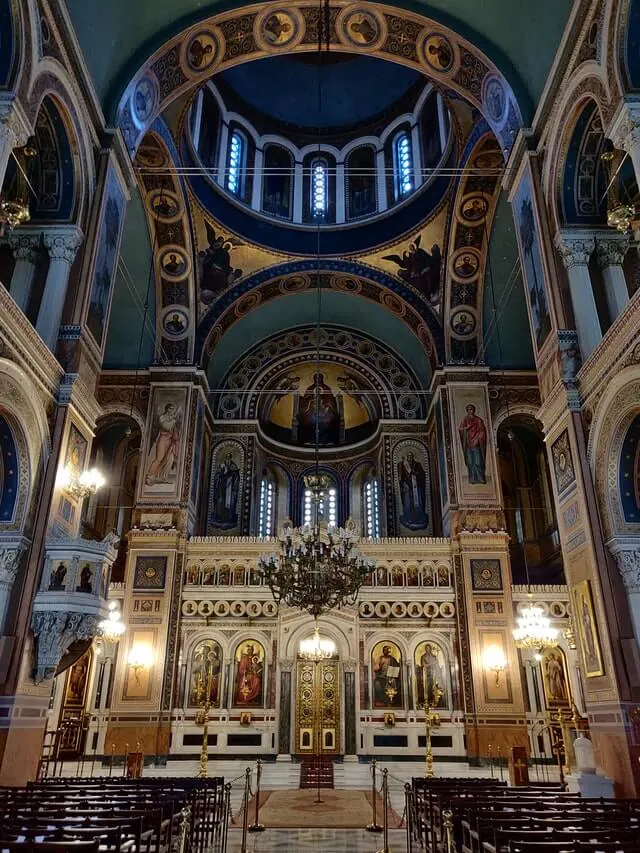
column 9, row 564
column 624, row 131
column 575, row 246
column 62, row 242
column 611, row 249
column 25, row 247
column 15, row 128
column 627, row 557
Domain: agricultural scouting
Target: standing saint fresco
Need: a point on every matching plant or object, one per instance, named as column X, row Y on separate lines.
column 387, row 682
column 205, row 670
column 226, row 485
column 429, row 662
column 247, row 690
column 163, row 457
column 473, row 437
column 412, row 481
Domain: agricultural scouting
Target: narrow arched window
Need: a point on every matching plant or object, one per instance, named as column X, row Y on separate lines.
column 403, row 165
column 267, row 512
column 319, row 202
column 327, row 508
column 237, row 153
column 372, row 508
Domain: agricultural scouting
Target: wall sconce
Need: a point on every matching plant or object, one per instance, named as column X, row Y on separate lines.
column 139, row 658
column 79, row 486
column 495, row 660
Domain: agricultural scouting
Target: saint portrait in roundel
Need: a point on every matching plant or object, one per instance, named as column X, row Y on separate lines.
column 202, row 51
column 438, row 53
column 474, row 209
column 465, row 265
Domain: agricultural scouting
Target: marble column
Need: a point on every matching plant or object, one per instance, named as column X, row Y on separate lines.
column 575, row 248
column 62, row 244
column 610, row 252
column 26, row 251
column 284, row 720
column 626, row 553
column 14, row 129
column 625, row 133
column 350, row 744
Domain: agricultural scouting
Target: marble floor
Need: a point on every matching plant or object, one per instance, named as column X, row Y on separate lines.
column 316, row 841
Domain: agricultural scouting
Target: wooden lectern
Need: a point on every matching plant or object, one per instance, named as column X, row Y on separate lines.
column 518, row 767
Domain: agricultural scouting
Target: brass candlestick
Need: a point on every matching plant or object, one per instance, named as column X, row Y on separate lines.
column 431, row 720
column 204, row 749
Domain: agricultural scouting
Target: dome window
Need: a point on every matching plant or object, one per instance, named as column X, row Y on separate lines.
column 237, row 152
column 319, row 189
column 403, row 165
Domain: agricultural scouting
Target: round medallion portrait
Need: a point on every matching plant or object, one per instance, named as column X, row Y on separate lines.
column 437, row 52
column 144, row 100
column 293, row 283
column 474, row 208
column 202, row 51
column 360, row 28
column 463, row 322
column 174, row 262
column 489, row 162
column 164, row 205
column 278, row 28
column 495, row 100
column 150, row 157
column 465, row 265
column 175, row 322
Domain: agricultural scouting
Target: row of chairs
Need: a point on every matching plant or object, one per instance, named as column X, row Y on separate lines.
column 486, row 816
column 120, row 815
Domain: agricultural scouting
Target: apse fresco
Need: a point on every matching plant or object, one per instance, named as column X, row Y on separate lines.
column 329, row 397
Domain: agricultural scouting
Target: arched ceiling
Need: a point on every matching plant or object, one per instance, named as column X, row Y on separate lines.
column 301, row 309
column 520, row 37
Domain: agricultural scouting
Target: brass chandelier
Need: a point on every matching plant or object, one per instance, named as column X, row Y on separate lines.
column 319, row 566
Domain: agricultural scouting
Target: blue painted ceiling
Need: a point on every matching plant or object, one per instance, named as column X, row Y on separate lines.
column 298, row 90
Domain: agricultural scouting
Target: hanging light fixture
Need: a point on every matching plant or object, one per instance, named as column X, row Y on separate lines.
column 319, row 566
column 112, row 628
column 317, row 648
column 619, row 215
column 14, row 201
column 534, row 629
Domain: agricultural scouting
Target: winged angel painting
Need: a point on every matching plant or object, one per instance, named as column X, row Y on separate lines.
column 420, row 268
column 215, row 270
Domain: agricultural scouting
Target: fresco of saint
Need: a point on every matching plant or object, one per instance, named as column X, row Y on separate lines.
column 247, row 691
column 412, row 482
column 473, row 436
column 226, row 485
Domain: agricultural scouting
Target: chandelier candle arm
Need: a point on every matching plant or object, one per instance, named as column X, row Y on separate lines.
column 534, row 629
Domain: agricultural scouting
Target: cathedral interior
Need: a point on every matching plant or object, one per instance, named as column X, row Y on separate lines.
column 390, row 249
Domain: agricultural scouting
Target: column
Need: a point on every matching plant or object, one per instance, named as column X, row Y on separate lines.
column 350, row 710
column 381, row 181
column 298, row 184
column 341, row 201
column 610, row 252
column 14, row 129
column 258, row 179
column 10, row 558
column 284, row 704
column 575, row 248
column 627, row 557
column 625, row 133
column 26, row 251
column 62, row 243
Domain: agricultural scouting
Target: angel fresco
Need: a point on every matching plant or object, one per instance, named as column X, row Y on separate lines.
column 215, row 271
column 420, row 268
